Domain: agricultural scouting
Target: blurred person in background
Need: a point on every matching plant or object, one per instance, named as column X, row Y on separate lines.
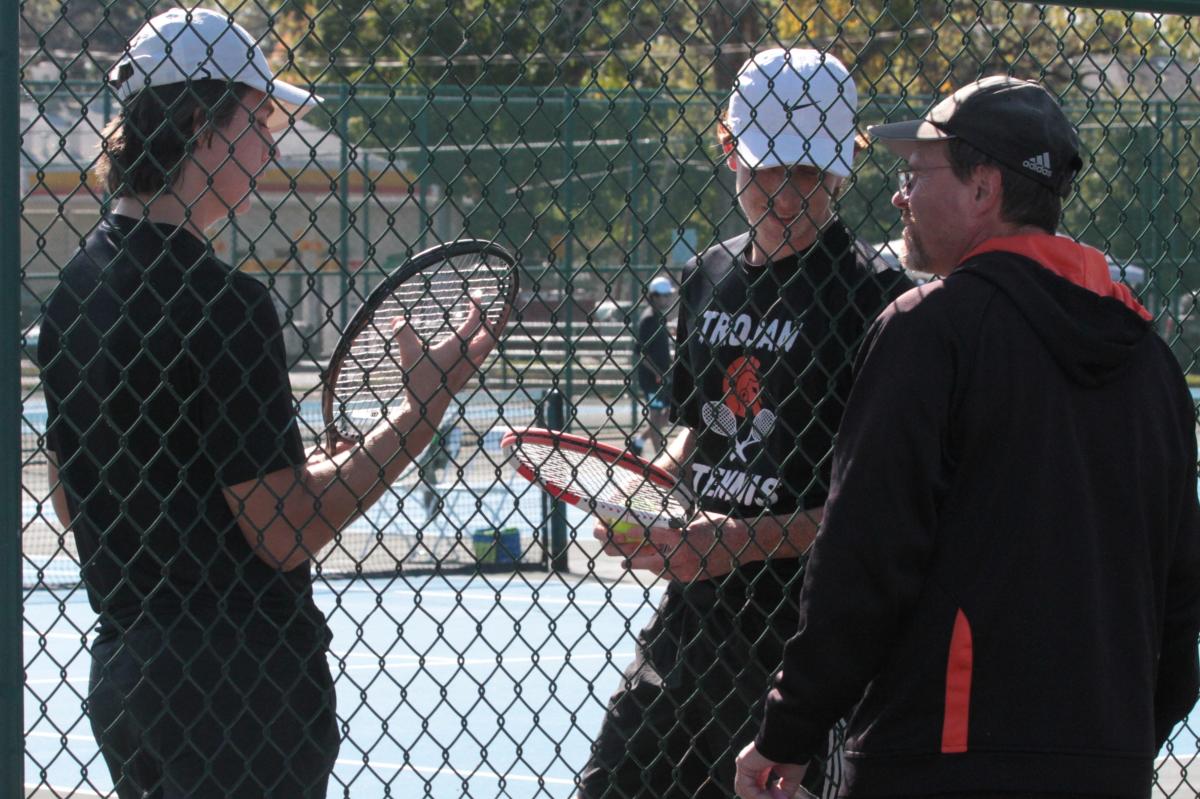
column 652, row 357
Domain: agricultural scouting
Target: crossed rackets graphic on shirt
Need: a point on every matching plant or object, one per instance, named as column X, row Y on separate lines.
column 721, row 419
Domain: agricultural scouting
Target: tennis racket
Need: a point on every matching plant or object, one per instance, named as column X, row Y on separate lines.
column 432, row 293
column 622, row 489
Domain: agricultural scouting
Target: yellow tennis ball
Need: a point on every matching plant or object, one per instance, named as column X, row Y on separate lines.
column 621, row 530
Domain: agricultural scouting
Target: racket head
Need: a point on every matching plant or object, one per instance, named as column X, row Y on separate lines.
column 432, row 292
column 616, row 486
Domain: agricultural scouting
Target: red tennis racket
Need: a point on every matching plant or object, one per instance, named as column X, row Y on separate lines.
column 622, row 489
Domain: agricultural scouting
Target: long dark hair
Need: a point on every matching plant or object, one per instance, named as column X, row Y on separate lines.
column 142, row 148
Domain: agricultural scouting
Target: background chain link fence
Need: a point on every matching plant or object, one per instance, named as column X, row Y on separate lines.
column 478, row 630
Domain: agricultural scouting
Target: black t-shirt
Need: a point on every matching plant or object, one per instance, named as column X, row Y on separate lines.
column 166, row 380
column 654, row 350
column 763, row 371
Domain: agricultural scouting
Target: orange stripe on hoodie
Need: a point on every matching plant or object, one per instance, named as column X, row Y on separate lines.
column 1082, row 265
column 960, row 663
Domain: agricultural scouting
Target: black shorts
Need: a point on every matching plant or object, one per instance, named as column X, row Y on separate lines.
column 691, row 699
column 177, row 716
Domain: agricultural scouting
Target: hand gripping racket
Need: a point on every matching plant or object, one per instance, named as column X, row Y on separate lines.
column 622, row 489
column 432, row 293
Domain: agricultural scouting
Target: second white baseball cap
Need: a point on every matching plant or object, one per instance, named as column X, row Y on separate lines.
column 179, row 45
column 661, row 285
column 793, row 107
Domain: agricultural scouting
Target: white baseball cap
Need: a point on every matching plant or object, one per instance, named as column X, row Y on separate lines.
column 794, row 107
column 660, row 285
column 180, row 45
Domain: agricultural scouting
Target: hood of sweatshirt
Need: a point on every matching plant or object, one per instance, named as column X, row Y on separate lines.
column 1091, row 324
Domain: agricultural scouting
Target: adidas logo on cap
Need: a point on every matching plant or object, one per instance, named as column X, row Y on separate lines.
column 1039, row 164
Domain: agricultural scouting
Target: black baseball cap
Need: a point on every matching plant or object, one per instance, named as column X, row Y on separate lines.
column 1016, row 122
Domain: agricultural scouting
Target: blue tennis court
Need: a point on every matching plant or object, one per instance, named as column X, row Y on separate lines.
column 483, row 686
column 479, row 685
column 476, row 686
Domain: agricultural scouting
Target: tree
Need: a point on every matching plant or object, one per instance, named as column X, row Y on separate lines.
column 82, row 39
column 585, row 130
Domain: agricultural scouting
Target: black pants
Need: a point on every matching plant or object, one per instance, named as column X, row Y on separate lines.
column 692, row 699
column 176, row 716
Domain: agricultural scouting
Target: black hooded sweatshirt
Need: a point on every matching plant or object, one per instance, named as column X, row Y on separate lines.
column 1005, row 594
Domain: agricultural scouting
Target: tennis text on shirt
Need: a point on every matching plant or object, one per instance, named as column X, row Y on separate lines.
column 734, row 485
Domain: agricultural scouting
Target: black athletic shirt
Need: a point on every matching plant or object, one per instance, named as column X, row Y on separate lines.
column 763, row 371
column 166, row 380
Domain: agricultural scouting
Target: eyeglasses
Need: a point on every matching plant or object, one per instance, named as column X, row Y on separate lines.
column 906, row 177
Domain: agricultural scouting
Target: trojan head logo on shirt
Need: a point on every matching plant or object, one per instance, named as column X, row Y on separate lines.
column 742, row 391
column 741, row 401
column 743, row 387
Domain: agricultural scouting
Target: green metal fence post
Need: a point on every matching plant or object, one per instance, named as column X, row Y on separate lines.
column 343, row 245
column 422, row 150
column 568, row 256
column 106, row 115
column 234, row 245
column 368, row 251
column 12, row 721
column 555, row 419
column 1186, row 7
column 1168, row 175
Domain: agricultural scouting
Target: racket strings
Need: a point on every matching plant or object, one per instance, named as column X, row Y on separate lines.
column 589, row 475
column 435, row 303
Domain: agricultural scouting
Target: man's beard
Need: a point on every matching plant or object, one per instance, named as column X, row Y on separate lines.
column 915, row 257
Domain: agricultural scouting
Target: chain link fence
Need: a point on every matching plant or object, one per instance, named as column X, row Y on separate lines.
column 478, row 630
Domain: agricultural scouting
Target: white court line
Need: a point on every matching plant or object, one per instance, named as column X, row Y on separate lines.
column 404, row 657
column 439, row 770
column 442, row 662
column 648, row 603
column 475, row 596
column 398, row 767
column 58, row 681
column 392, row 662
column 370, row 766
column 63, row 791
column 58, row 737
